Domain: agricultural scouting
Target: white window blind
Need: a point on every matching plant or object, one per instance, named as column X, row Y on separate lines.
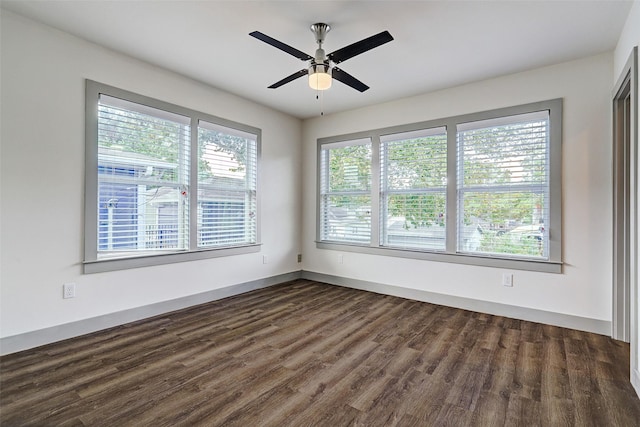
column 413, row 189
column 143, row 178
column 345, row 195
column 227, row 180
column 503, row 186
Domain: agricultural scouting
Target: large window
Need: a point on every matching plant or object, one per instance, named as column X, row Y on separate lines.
column 479, row 189
column 164, row 183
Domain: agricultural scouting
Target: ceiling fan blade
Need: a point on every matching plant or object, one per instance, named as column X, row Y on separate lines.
column 360, row 47
column 282, row 46
column 348, row 79
column 290, row 78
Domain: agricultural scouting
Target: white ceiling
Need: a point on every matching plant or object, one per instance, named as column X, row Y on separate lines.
column 438, row 44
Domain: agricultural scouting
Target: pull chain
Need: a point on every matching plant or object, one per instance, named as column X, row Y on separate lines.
column 320, row 96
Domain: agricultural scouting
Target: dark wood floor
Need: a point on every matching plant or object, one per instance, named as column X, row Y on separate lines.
column 311, row 354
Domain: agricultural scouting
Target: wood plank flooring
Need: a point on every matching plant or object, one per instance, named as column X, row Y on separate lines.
column 311, row 354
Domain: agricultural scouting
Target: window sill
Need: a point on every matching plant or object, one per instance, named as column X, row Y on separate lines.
column 114, row 264
column 478, row 260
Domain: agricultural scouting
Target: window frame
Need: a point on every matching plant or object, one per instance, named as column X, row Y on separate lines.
column 551, row 265
column 92, row 263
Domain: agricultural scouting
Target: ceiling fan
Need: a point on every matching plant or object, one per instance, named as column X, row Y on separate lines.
column 322, row 67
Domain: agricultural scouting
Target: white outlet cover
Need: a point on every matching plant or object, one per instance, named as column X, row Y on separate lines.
column 69, row 290
column 507, row 279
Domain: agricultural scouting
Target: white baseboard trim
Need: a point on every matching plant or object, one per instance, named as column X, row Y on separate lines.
column 602, row 327
column 635, row 380
column 15, row 343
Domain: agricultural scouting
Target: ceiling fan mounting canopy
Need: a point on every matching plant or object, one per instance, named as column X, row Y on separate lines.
column 320, row 30
column 322, row 69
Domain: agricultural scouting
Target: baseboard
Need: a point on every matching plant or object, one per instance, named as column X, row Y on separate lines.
column 635, row 380
column 15, row 343
column 602, row 327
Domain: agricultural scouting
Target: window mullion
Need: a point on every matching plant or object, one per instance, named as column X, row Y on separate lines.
column 375, row 191
column 193, row 185
column 452, row 189
column 384, row 191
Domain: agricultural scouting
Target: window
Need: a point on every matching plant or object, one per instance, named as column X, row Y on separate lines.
column 414, row 189
column 165, row 183
column 503, row 186
column 481, row 189
column 143, row 164
column 346, row 191
column 226, row 186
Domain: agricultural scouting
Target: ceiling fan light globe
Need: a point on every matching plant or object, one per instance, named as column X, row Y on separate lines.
column 319, row 77
column 319, row 81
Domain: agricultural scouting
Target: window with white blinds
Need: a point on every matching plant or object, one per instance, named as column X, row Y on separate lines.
column 480, row 189
column 345, row 191
column 143, row 174
column 413, row 189
column 503, row 186
column 164, row 180
column 227, row 181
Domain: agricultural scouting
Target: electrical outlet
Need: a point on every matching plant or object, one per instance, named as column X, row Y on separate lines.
column 340, row 259
column 507, row 279
column 69, row 290
column 299, row 257
column 264, row 259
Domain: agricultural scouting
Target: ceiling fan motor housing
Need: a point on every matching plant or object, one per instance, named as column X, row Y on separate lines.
column 322, row 67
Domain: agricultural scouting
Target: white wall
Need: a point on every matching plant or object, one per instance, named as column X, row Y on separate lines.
column 584, row 288
column 629, row 38
column 42, row 182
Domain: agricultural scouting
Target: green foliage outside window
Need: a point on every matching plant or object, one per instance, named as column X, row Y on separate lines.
column 160, row 139
column 417, row 165
column 350, row 168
